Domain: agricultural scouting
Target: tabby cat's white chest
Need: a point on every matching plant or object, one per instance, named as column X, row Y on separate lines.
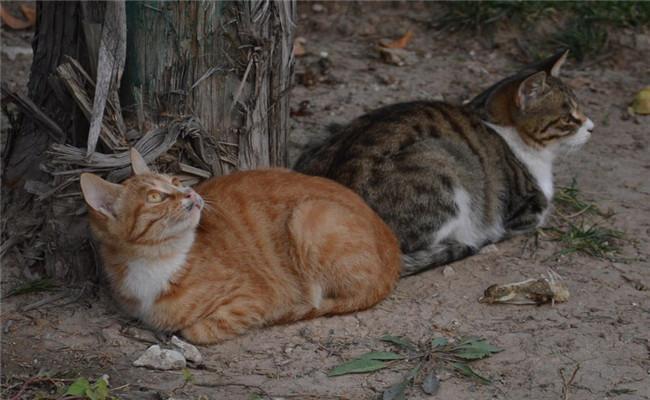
column 538, row 162
column 147, row 278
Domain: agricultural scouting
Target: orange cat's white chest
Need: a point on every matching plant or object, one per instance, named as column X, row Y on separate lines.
column 148, row 277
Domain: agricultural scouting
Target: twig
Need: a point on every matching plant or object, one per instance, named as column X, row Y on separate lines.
column 44, row 301
column 33, row 111
column 27, row 383
column 565, row 383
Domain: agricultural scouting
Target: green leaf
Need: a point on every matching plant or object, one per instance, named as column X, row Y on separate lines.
column 396, row 340
column 430, row 384
column 439, row 342
column 255, row 396
column 474, row 349
column 396, row 392
column 187, row 376
column 357, row 366
column 78, row 387
column 381, row 355
column 469, row 372
column 101, row 389
column 91, row 395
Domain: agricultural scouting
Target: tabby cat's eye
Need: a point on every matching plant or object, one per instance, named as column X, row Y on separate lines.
column 155, row 197
column 176, row 182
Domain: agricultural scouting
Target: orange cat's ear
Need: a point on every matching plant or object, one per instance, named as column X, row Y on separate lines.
column 530, row 90
column 138, row 164
column 555, row 69
column 100, row 194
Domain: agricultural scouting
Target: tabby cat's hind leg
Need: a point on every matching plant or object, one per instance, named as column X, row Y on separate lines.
column 437, row 255
column 350, row 262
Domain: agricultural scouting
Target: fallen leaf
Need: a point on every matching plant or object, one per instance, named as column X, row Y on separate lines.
column 641, row 104
column 395, row 392
column 430, row 384
column 29, row 12
column 299, row 46
column 397, row 57
column 13, row 22
column 399, row 43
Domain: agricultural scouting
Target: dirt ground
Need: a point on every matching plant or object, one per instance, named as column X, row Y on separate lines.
column 604, row 328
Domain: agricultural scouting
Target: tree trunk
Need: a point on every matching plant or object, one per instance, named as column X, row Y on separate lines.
column 204, row 91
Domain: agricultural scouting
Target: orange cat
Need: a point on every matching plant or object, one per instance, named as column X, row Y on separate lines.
column 245, row 250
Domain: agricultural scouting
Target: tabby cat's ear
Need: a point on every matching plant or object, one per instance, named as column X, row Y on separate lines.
column 555, row 69
column 100, row 194
column 138, row 164
column 530, row 90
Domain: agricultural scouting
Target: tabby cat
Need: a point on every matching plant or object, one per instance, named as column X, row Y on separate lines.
column 242, row 251
column 449, row 179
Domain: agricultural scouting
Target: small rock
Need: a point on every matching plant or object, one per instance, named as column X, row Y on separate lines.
column 190, row 352
column 318, row 8
column 489, row 249
column 397, row 57
column 156, row 358
column 299, row 46
column 13, row 51
column 448, row 271
column 642, row 41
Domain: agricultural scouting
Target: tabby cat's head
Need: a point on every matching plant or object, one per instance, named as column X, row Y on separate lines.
column 147, row 209
column 543, row 109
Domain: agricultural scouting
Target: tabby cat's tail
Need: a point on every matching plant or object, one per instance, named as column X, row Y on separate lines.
column 440, row 254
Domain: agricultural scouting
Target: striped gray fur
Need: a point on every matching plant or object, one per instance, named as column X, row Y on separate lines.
column 449, row 179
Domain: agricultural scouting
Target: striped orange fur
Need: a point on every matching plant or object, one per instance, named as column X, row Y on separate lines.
column 269, row 246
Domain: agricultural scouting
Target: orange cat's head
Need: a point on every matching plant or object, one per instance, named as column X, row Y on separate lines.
column 146, row 209
column 535, row 102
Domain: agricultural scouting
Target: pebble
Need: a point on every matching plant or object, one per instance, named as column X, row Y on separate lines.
column 489, row 249
column 156, row 358
column 190, row 352
column 318, row 8
column 448, row 271
column 13, row 51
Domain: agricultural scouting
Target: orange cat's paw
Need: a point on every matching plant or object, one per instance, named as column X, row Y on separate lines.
column 205, row 333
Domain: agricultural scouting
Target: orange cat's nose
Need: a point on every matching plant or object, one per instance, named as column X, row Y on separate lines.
column 195, row 199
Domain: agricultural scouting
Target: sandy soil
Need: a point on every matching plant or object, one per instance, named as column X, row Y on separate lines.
column 604, row 328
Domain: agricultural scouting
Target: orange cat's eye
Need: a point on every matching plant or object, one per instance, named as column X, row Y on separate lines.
column 155, row 197
column 176, row 182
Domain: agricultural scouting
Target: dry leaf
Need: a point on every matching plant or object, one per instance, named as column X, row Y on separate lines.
column 549, row 289
column 29, row 12
column 641, row 104
column 299, row 46
column 11, row 21
column 399, row 43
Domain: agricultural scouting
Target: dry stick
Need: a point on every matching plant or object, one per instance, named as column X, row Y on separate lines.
column 44, row 301
column 110, row 64
column 30, row 381
column 565, row 383
column 33, row 111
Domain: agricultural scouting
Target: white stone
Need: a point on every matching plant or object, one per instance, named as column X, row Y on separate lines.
column 489, row 249
column 448, row 271
column 190, row 351
column 156, row 358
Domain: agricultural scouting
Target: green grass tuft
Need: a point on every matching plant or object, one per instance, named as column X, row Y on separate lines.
column 585, row 28
column 593, row 240
column 38, row 285
column 570, row 199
